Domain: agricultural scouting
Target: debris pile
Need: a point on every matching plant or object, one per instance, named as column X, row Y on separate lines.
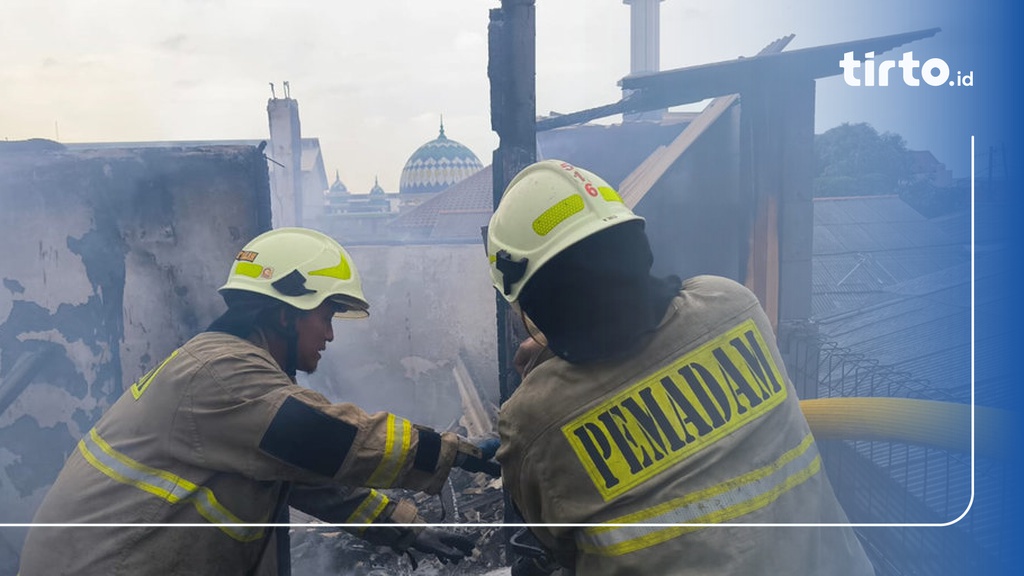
column 468, row 499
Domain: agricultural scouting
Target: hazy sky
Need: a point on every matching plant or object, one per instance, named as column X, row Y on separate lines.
column 371, row 77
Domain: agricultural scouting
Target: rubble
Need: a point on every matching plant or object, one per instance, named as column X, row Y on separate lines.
column 478, row 498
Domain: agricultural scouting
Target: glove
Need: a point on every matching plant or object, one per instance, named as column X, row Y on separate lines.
column 534, row 567
column 488, row 448
column 446, row 546
column 473, row 458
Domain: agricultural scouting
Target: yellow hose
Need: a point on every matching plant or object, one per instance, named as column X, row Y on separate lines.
column 923, row 422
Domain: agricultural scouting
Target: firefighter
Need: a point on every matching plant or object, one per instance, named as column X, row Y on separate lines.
column 655, row 402
column 217, row 433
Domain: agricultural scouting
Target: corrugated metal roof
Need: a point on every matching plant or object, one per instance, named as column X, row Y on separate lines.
column 894, row 287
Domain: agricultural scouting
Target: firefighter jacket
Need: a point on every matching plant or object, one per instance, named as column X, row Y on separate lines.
column 701, row 426
column 212, row 437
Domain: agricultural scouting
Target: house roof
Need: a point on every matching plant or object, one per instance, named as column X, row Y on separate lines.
column 453, row 215
column 658, row 90
column 696, row 83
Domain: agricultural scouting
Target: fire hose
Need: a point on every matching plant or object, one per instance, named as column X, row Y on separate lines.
column 944, row 425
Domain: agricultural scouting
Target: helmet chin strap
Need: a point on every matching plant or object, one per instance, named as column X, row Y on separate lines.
column 291, row 339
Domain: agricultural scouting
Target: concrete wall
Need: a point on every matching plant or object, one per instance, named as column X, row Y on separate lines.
column 111, row 259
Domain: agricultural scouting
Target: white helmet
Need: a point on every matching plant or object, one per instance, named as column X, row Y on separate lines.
column 300, row 267
column 547, row 207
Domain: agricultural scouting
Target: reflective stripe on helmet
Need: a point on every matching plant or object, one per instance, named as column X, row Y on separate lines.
column 342, row 271
column 249, row 269
column 548, row 206
column 557, row 214
column 609, row 194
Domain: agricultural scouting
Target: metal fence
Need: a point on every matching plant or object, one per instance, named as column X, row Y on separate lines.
column 896, row 484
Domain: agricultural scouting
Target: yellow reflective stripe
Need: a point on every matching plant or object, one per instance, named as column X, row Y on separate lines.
column 248, row 269
column 609, row 194
column 726, row 501
column 139, row 387
column 162, row 484
column 369, row 509
column 396, row 450
column 558, row 213
column 342, row 271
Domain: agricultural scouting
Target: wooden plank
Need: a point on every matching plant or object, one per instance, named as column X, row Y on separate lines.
column 639, row 182
column 646, row 175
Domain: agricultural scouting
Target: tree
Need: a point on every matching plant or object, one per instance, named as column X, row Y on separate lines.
column 855, row 160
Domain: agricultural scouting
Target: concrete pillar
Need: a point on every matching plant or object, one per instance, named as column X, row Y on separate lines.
column 285, row 151
column 644, row 47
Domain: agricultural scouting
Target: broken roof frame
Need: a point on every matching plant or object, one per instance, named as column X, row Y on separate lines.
column 656, row 90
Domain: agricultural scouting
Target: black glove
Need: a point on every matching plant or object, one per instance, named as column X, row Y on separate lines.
column 534, row 567
column 447, row 546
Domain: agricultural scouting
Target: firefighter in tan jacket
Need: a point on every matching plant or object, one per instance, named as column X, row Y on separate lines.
column 663, row 413
column 216, row 434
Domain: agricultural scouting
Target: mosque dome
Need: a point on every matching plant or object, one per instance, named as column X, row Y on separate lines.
column 376, row 190
column 437, row 165
column 338, row 188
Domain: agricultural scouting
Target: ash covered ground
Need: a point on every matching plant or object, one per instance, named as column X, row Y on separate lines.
column 477, row 499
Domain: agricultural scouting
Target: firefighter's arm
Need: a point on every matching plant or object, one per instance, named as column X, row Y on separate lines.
column 381, row 516
column 380, row 450
column 342, row 504
column 249, row 418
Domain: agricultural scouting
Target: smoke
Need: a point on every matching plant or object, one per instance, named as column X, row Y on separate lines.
column 430, row 307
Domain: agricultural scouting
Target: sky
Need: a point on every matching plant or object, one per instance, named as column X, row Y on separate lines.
column 373, row 78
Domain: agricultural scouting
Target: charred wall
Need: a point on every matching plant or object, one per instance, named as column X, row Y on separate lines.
column 111, row 259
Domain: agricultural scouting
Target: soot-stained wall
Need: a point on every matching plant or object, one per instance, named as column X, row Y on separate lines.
column 111, row 259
